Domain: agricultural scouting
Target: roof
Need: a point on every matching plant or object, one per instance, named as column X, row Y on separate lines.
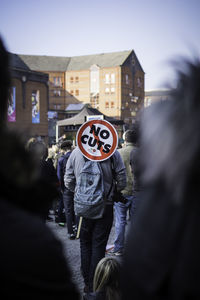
column 62, row 64
column 46, row 63
column 102, row 60
column 158, row 92
column 17, row 63
column 87, row 110
column 74, row 106
column 19, row 68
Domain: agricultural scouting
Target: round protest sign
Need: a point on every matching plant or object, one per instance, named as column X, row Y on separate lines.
column 97, row 139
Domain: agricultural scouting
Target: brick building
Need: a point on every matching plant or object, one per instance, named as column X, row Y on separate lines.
column 111, row 82
column 156, row 96
column 28, row 100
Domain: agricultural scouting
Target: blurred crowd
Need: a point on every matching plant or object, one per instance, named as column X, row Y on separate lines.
column 154, row 177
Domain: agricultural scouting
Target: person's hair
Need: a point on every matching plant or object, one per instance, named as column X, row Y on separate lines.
column 131, row 135
column 67, row 144
column 170, row 136
column 107, row 276
column 37, row 148
column 5, row 81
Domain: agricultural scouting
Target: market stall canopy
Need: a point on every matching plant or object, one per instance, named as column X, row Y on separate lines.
column 81, row 117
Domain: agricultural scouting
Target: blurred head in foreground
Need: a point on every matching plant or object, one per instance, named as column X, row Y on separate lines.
column 161, row 260
column 106, row 278
column 170, row 135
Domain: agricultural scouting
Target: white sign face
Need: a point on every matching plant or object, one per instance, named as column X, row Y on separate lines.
column 94, row 117
column 97, row 140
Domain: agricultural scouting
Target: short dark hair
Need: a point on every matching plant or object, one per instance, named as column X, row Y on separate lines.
column 66, row 144
column 131, row 135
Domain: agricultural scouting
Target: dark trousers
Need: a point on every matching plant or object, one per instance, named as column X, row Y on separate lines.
column 68, row 200
column 61, row 213
column 93, row 240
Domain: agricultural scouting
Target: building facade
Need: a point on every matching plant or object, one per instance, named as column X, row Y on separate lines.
column 28, row 100
column 111, row 82
column 154, row 96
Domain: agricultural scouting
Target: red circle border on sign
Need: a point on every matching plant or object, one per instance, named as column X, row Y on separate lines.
column 112, row 149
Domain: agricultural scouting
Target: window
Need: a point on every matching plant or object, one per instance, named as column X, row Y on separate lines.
column 107, row 104
column 107, row 78
column 71, row 79
column 112, row 90
column 72, row 92
column 113, row 78
column 77, row 92
column 133, row 113
column 77, row 79
column 139, row 82
column 134, row 99
column 148, row 102
column 57, row 81
column 57, row 106
column 112, row 104
column 127, row 79
column 94, row 80
column 107, row 90
column 57, row 93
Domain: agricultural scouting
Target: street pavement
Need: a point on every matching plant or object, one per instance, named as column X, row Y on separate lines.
column 72, row 251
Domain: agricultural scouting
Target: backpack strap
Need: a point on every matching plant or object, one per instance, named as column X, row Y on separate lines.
column 113, row 175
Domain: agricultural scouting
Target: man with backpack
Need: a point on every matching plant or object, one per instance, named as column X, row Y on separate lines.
column 66, row 207
column 88, row 179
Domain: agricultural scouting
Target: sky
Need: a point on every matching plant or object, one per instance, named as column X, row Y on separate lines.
column 159, row 31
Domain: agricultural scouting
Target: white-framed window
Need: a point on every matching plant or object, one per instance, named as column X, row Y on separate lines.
column 127, row 79
column 57, row 93
column 57, row 81
column 113, row 78
column 107, row 78
column 112, row 104
column 107, row 90
column 57, row 106
column 94, row 79
column 112, row 90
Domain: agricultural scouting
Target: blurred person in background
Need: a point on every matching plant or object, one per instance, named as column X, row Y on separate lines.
column 32, row 262
column 122, row 209
column 162, row 258
column 46, row 172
